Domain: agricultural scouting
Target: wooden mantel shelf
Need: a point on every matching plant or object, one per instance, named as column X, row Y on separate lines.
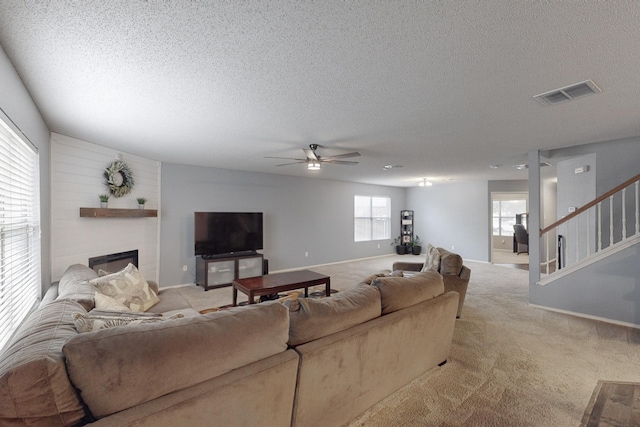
column 117, row 213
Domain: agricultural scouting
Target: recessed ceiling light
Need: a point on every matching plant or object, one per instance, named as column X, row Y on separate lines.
column 389, row 167
column 494, row 166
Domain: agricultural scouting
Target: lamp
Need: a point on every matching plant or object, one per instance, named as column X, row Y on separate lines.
column 313, row 165
column 425, row 183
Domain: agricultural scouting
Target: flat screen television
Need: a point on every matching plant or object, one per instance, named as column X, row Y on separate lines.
column 221, row 233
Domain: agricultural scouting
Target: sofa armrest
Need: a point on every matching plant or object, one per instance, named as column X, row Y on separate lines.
column 407, row 266
column 51, row 294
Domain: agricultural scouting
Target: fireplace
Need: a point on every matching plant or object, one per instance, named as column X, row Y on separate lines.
column 114, row 262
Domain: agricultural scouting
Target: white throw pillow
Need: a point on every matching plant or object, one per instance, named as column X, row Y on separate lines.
column 103, row 302
column 89, row 322
column 127, row 287
column 432, row 262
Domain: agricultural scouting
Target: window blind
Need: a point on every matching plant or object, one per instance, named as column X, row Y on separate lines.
column 19, row 230
column 372, row 218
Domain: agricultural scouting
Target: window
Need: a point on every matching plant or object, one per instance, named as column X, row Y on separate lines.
column 504, row 215
column 372, row 218
column 19, row 230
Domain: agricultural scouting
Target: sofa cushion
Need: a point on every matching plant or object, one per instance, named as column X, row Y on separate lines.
column 399, row 292
column 170, row 299
column 312, row 318
column 34, row 385
column 127, row 287
column 74, row 284
column 119, row 368
column 450, row 263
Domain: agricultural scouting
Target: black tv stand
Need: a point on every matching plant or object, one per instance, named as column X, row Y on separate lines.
column 220, row 270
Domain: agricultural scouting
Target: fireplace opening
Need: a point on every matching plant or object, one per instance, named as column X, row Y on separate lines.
column 114, row 262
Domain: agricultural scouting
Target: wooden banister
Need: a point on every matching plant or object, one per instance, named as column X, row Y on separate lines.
column 591, row 204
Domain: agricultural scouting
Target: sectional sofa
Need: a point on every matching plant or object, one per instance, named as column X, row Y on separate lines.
column 306, row 362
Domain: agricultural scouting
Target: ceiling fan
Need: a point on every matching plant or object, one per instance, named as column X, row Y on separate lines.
column 313, row 159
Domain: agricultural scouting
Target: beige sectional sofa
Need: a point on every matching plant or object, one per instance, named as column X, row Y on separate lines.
column 307, row 362
column 455, row 275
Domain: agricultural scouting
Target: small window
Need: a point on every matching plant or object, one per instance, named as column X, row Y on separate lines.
column 504, row 215
column 372, row 218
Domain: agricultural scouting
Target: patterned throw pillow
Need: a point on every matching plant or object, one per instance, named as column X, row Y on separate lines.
column 89, row 322
column 103, row 302
column 127, row 287
column 433, row 259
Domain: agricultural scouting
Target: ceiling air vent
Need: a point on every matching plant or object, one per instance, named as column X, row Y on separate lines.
column 568, row 93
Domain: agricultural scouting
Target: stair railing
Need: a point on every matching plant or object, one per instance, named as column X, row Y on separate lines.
column 584, row 232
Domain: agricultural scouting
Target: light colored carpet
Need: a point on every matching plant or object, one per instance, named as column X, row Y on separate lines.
column 509, row 257
column 510, row 364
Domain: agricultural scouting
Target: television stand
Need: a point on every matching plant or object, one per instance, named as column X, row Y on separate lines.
column 218, row 272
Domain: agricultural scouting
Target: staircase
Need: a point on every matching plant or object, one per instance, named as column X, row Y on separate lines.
column 591, row 259
column 593, row 232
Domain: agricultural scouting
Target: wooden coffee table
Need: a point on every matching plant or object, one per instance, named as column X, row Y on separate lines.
column 279, row 282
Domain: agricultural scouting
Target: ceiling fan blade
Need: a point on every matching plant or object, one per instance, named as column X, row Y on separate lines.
column 292, row 163
column 311, row 154
column 285, row 158
column 338, row 162
column 343, row 156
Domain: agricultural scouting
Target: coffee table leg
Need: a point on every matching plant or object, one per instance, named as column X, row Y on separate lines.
column 251, row 298
column 327, row 290
column 235, row 296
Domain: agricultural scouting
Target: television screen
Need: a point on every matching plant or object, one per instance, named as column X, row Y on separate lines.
column 219, row 233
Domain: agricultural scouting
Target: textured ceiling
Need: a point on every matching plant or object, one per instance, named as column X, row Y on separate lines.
column 442, row 88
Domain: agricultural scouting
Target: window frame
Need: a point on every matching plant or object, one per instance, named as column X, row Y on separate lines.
column 374, row 220
column 511, row 197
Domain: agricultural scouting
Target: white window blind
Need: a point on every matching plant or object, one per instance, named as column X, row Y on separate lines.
column 19, row 230
column 372, row 218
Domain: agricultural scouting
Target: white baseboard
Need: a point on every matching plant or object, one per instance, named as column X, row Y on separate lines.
column 586, row 316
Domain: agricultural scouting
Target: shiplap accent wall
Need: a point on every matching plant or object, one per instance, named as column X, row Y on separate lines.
column 76, row 181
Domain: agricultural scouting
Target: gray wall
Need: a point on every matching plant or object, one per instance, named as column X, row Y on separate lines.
column 17, row 104
column 300, row 215
column 454, row 216
column 609, row 288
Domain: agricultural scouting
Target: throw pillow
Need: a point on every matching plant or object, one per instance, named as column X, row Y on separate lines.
column 433, row 259
column 127, row 287
column 90, row 322
column 103, row 302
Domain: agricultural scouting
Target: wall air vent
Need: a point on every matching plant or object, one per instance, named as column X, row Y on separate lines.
column 568, row 93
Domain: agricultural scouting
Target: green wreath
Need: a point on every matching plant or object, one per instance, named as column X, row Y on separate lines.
column 119, row 178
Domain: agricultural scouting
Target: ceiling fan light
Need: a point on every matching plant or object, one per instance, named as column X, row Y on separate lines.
column 425, row 183
column 313, row 165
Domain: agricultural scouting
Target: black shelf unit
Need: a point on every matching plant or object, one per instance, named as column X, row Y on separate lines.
column 406, row 229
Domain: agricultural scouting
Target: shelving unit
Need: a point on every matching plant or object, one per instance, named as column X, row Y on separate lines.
column 406, row 228
column 117, row 213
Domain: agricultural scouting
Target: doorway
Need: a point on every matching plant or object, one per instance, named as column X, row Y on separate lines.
column 507, row 210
